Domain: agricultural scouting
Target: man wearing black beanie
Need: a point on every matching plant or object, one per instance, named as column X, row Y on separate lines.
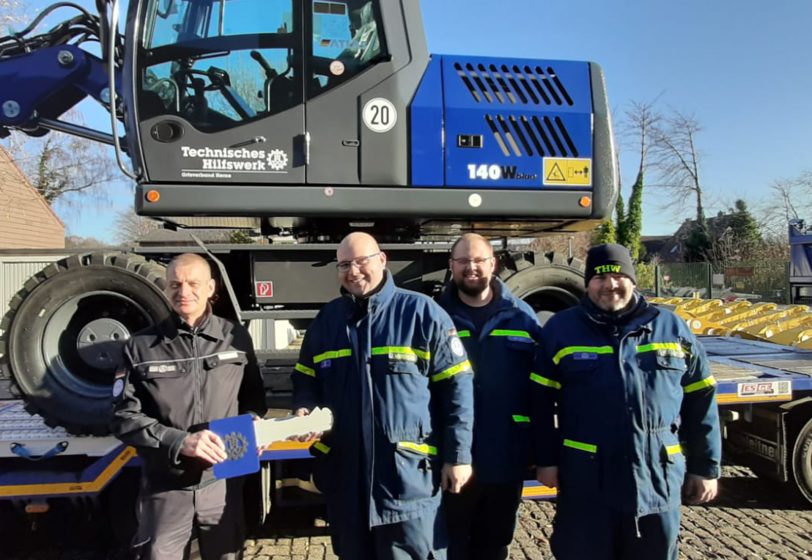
column 637, row 427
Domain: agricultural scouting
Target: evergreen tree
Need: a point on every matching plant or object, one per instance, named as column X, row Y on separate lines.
column 620, row 220
column 605, row 233
column 744, row 228
column 634, row 218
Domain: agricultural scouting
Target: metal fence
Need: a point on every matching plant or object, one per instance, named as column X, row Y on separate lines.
column 758, row 281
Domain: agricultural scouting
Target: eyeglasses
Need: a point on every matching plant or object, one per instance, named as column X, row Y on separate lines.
column 359, row 263
column 479, row 261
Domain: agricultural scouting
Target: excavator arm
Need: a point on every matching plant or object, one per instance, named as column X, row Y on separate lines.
column 42, row 76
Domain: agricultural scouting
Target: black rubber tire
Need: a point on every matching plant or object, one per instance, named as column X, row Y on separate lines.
column 802, row 461
column 64, row 331
column 549, row 283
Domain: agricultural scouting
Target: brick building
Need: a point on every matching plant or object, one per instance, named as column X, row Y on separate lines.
column 27, row 221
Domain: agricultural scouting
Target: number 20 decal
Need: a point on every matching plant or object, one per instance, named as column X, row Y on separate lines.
column 484, row 171
column 380, row 115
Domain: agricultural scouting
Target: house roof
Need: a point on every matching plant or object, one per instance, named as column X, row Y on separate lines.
column 8, row 167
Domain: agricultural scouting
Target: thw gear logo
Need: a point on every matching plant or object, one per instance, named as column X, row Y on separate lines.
column 277, row 160
column 236, row 445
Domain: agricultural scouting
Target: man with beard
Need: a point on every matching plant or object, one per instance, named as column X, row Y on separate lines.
column 191, row 368
column 500, row 333
column 636, row 412
column 390, row 366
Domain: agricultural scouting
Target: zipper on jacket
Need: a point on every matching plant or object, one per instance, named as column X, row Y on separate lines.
column 197, row 375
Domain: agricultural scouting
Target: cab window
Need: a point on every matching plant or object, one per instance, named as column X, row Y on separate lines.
column 220, row 63
column 347, row 39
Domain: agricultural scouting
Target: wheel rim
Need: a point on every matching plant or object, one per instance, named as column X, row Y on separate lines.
column 83, row 338
column 548, row 300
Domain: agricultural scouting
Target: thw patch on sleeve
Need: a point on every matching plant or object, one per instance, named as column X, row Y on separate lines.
column 456, row 347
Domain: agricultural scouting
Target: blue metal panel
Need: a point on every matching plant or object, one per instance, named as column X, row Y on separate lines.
column 522, row 110
column 426, row 137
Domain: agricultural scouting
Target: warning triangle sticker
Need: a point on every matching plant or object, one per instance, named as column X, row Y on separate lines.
column 555, row 174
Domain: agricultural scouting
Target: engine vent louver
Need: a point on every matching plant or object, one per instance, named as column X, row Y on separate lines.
column 513, row 84
column 522, row 136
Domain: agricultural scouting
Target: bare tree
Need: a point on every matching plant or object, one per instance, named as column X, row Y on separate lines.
column 677, row 157
column 790, row 199
column 639, row 126
column 130, row 227
column 64, row 168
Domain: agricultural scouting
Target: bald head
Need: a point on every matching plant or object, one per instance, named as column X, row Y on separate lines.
column 361, row 264
column 190, row 259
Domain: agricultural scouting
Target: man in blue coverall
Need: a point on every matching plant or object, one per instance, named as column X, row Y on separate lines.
column 636, row 411
column 390, row 366
column 500, row 333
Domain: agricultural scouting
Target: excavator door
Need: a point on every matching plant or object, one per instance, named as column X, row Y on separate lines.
column 218, row 91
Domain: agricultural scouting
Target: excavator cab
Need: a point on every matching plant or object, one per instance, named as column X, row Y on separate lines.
column 225, row 90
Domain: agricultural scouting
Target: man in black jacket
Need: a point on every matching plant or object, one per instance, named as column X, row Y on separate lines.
column 178, row 376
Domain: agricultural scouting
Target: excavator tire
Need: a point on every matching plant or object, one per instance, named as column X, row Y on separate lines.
column 64, row 331
column 548, row 282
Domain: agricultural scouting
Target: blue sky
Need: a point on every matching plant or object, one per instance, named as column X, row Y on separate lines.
column 742, row 68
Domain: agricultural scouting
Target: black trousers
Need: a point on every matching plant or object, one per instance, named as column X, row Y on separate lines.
column 168, row 519
column 481, row 520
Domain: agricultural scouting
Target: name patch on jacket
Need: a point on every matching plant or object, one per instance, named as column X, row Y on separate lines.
column 584, row 356
column 325, row 364
column 163, row 368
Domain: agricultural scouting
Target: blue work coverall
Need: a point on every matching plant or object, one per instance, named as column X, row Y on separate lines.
column 636, row 409
column 395, row 374
column 482, row 518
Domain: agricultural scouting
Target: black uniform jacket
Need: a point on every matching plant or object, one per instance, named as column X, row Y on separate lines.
column 176, row 379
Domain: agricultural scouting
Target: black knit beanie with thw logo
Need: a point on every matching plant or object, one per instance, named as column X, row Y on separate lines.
column 609, row 259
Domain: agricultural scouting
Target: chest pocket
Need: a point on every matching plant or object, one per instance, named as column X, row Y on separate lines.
column 223, row 358
column 404, row 367
column 163, row 370
column 520, row 344
column 667, row 357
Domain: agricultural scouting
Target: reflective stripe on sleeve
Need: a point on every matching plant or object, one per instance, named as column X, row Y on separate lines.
column 423, row 448
column 567, row 350
column 520, row 419
column 709, row 381
column 332, row 354
column 508, row 332
column 669, row 347
column 673, row 449
column 301, row 368
column 452, row 371
column 546, row 381
column 387, row 350
column 588, row 447
column 464, row 334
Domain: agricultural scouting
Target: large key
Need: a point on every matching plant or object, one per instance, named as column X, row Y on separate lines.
column 243, row 437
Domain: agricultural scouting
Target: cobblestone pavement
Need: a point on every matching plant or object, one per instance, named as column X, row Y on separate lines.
column 752, row 520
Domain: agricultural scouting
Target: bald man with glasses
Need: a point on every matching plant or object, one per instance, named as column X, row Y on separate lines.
column 389, row 364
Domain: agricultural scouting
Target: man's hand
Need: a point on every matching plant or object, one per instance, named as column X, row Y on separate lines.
column 697, row 490
column 548, row 476
column 454, row 477
column 312, row 436
column 205, row 445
